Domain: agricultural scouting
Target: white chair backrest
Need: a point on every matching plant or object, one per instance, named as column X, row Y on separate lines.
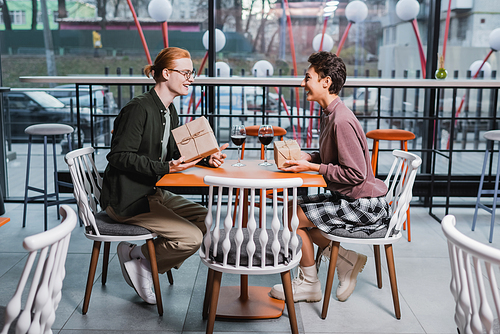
column 400, row 181
column 219, row 220
column 44, row 294
column 87, row 185
column 469, row 283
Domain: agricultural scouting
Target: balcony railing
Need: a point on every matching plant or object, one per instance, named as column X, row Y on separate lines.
column 448, row 117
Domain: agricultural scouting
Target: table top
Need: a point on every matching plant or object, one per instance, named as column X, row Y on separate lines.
column 4, row 220
column 193, row 177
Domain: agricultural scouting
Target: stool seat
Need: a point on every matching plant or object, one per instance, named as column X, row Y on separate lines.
column 492, row 135
column 253, row 131
column 49, row 129
column 390, row 134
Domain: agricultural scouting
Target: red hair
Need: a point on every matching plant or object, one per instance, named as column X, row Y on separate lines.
column 165, row 59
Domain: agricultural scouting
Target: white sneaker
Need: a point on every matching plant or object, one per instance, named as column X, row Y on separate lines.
column 141, row 278
column 303, row 290
column 123, row 249
column 349, row 265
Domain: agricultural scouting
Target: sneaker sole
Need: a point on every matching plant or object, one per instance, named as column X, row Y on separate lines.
column 358, row 267
column 315, row 299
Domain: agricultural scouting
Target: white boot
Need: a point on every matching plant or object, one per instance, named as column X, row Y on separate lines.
column 349, row 265
column 305, row 287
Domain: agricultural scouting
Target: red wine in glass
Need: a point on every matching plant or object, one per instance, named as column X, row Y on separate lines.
column 238, row 136
column 266, row 140
column 238, row 140
column 266, row 135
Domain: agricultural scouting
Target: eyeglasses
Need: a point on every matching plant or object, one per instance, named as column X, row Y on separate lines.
column 186, row 74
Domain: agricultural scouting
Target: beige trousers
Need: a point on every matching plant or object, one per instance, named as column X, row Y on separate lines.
column 179, row 224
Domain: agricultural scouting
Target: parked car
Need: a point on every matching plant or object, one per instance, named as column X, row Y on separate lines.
column 26, row 107
column 102, row 97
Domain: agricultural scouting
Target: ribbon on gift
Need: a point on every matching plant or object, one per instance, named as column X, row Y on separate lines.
column 198, row 134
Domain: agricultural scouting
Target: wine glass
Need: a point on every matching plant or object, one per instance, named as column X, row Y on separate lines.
column 238, row 136
column 266, row 135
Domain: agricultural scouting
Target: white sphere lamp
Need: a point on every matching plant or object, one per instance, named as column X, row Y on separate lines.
column 220, row 40
column 486, row 68
column 356, row 11
column 222, row 69
column 494, row 39
column 160, row 10
column 261, row 69
column 327, row 42
column 407, row 10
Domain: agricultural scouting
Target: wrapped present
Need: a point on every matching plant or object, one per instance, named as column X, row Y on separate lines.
column 286, row 150
column 195, row 139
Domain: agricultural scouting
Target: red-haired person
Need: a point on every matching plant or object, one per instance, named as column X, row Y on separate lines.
column 143, row 150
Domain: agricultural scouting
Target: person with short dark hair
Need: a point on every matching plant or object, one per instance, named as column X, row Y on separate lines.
column 142, row 151
column 356, row 199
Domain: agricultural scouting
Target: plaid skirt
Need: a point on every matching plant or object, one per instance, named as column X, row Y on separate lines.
column 331, row 211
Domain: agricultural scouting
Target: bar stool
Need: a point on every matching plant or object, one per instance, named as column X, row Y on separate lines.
column 394, row 135
column 46, row 130
column 493, row 136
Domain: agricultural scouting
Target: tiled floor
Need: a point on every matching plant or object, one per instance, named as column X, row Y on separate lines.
column 422, row 269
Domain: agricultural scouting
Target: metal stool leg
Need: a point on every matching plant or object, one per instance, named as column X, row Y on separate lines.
column 56, row 179
column 495, row 195
column 45, row 200
column 480, row 190
column 27, row 181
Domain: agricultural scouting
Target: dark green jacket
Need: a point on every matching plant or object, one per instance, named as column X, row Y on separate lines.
column 134, row 162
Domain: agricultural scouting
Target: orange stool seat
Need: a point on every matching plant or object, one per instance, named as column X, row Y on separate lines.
column 390, row 134
column 395, row 135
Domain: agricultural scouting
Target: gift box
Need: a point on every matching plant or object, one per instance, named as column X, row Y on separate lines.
column 286, row 150
column 195, row 139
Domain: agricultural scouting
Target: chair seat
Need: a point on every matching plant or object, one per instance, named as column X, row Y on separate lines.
column 108, row 226
column 49, row 129
column 344, row 233
column 231, row 258
column 390, row 134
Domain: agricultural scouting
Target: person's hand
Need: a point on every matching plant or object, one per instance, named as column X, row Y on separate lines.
column 297, row 166
column 305, row 156
column 179, row 164
column 217, row 159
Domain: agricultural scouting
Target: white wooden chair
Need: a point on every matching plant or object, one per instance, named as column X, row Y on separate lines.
column 400, row 183
column 250, row 250
column 99, row 227
column 472, row 288
column 47, row 278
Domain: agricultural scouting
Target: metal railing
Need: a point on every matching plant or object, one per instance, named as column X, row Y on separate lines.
column 448, row 117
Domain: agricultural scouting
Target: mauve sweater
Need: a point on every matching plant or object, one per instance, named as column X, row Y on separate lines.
column 344, row 155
